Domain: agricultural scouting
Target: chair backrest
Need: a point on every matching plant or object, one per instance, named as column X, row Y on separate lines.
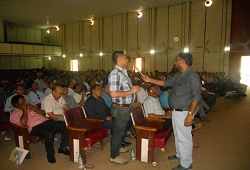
column 84, row 112
column 75, row 118
column 137, row 116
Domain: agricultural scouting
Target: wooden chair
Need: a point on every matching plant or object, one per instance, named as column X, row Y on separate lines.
column 83, row 132
column 150, row 134
column 23, row 139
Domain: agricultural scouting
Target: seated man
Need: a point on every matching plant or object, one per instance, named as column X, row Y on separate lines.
column 19, row 90
column 164, row 98
column 96, row 107
column 51, row 86
column 105, row 94
column 26, row 114
column 153, row 107
column 35, row 96
column 80, row 94
column 54, row 105
column 70, row 101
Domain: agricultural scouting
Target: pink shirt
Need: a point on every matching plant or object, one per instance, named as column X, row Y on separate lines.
column 33, row 118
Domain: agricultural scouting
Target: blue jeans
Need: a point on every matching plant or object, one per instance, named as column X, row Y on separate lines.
column 122, row 116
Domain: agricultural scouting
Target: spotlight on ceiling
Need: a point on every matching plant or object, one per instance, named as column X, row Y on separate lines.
column 91, row 22
column 48, row 31
column 64, row 56
column 152, row 51
column 208, row 3
column 139, row 14
column 101, row 54
column 81, row 55
column 57, row 28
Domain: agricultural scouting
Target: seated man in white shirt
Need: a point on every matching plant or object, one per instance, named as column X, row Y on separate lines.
column 35, row 96
column 70, row 88
column 80, row 94
column 54, row 105
column 153, row 109
column 19, row 90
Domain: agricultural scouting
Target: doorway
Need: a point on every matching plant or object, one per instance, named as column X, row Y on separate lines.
column 245, row 70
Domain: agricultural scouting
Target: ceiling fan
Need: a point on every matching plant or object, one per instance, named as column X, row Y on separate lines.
column 167, row 48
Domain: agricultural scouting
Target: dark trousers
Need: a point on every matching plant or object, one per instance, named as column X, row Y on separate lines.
column 167, row 124
column 121, row 115
column 47, row 131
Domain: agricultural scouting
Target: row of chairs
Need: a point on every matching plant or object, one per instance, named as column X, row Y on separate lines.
column 85, row 132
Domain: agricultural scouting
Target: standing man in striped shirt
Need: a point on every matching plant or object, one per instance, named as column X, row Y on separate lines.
column 123, row 95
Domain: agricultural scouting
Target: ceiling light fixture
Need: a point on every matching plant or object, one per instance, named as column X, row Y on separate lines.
column 57, row 28
column 64, row 56
column 227, row 48
column 139, row 14
column 101, row 54
column 208, row 3
column 91, row 22
column 81, row 55
column 152, row 51
column 186, row 50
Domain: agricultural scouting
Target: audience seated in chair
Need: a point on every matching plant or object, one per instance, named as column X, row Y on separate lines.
column 19, row 90
column 80, row 94
column 51, row 86
column 54, row 105
column 26, row 114
column 34, row 95
column 153, row 109
column 70, row 101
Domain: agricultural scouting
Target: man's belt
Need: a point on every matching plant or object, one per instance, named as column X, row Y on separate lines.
column 179, row 110
column 122, row 105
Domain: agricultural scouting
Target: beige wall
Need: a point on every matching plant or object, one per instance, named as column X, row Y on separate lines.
column 205, row 31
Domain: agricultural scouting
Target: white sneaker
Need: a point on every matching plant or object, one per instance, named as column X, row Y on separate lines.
column 118, row 160
column 123, row 150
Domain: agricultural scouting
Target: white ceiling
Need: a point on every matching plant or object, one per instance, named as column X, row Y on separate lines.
column 34, row 13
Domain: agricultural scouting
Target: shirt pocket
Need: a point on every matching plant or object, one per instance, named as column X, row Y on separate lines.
column 182, row 90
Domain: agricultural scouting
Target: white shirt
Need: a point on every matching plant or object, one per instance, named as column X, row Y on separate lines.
column 78, row 97
column 49, row 104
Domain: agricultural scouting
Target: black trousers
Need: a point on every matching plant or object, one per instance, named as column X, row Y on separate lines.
column 167, row 124
column 47, row 131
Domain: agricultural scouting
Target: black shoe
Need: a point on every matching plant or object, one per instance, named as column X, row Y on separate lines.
column 173, row 158
column 125, row 144
column 65, row 151
column 51, row 158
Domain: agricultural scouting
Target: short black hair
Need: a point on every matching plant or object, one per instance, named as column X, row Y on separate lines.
column 187, row 57
column 151, row 85
column 77, row 84
column 29, row 84
column 14, row 100
column 93, row 87
column 104, row 84
column 18, row 85
column 115, row 55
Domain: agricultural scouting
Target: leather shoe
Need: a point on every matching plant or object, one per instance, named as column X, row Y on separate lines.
column 51, row 158
column 65, row 151
column 126, row 144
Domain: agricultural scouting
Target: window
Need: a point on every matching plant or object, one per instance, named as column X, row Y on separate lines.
column 245, row 70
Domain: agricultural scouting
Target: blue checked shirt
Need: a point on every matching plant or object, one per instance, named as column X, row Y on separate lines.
column 119, row 81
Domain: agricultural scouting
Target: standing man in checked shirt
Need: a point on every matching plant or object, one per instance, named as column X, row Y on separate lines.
column 183, row 99
column 123, row 95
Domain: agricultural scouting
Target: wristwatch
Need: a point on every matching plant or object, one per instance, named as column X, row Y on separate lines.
column 190, row 113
